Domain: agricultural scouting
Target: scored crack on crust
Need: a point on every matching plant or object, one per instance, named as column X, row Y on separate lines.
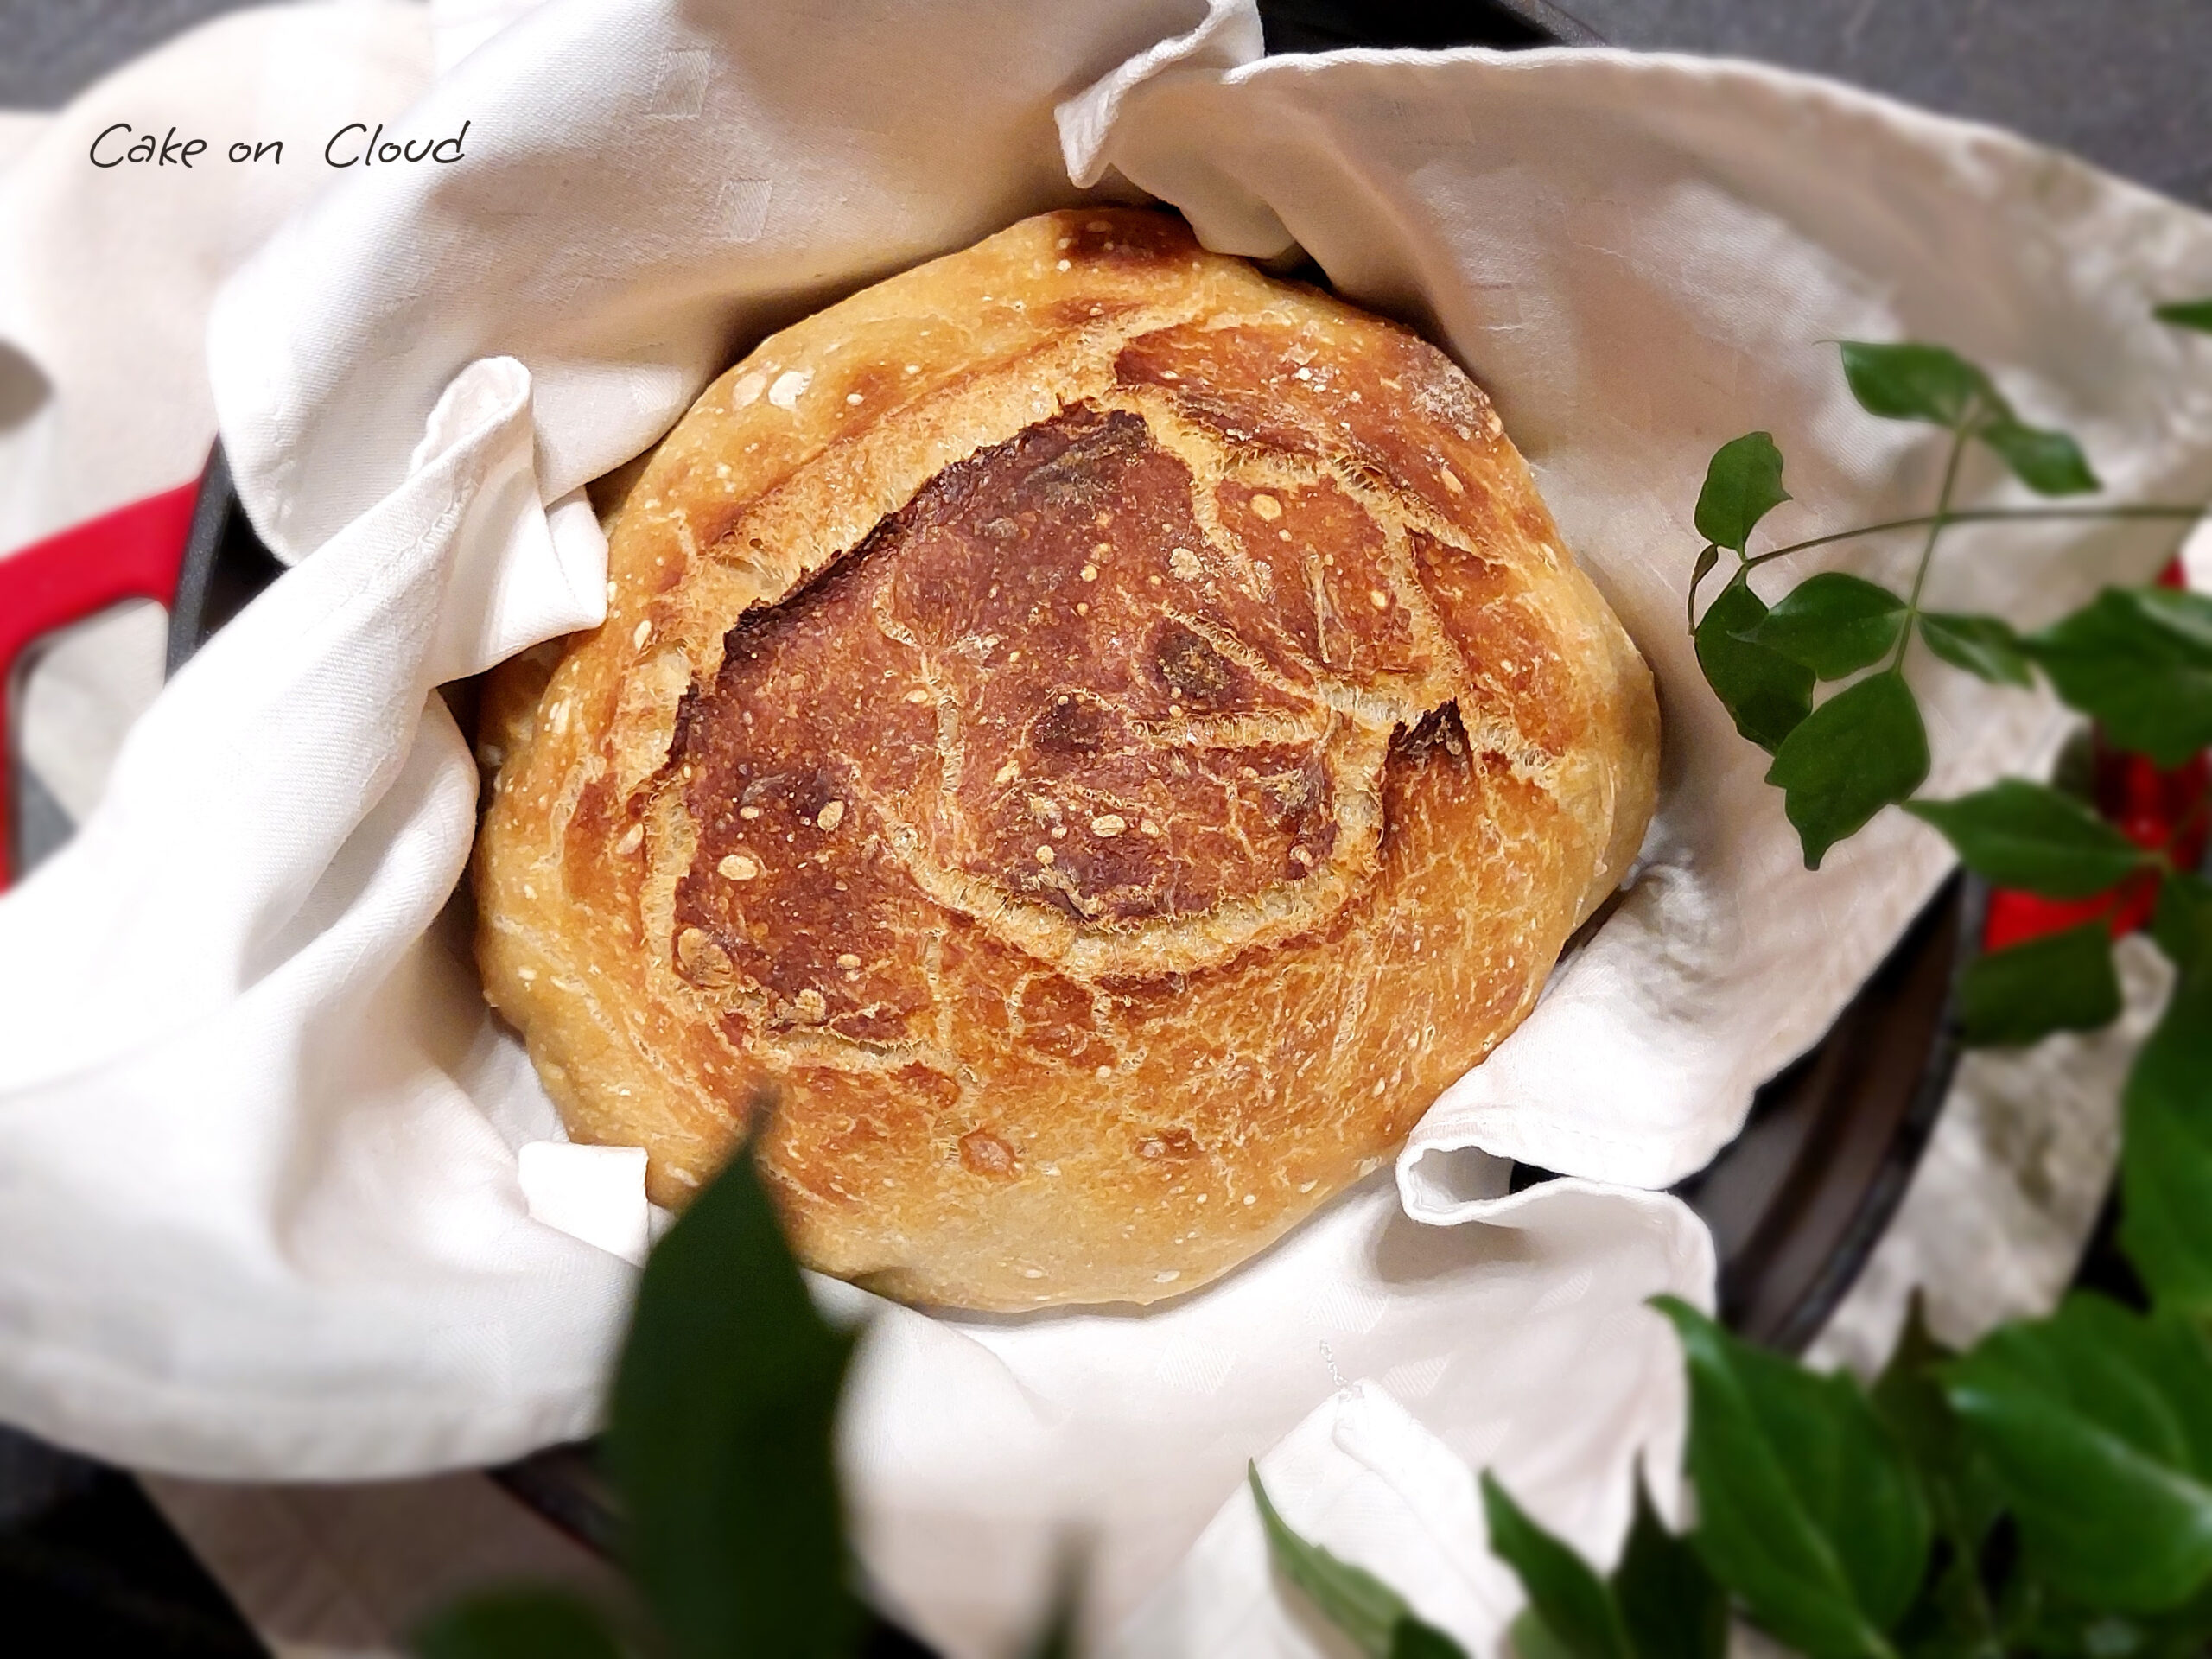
column 1101, row 737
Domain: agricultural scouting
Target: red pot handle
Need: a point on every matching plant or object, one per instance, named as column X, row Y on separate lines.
column 2165, row 810
column 134, row 552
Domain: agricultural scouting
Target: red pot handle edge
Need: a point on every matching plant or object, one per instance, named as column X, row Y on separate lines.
column 135, row 552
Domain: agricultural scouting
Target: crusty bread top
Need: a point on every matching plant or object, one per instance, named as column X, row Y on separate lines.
column 1043, row 625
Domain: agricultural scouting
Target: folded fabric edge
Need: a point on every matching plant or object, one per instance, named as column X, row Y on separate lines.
column 1227, row 36
column 1721, row 72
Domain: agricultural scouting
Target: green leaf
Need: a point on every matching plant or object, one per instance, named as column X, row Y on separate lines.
column 2098, row 1423
column 1056, row 1640
column 524, row 1623
column 1832, row 623
column 2057, row 1627
column 1864, row 749
column 2074, row 774
column 1368, row 1611
column 1743, row 484
column 1765, row 694
column 1912, row 382
column 2182, row 927
column 1533, row 1638
column 1705, row 560
column 2166, row 1158
column 2139, row 659
column 1411, row 1639
column 2022, row 835
column 1980, row 645
column 1953, row 1618
column 1908, row 1397
column 1806, row 1508
column 1668, row 1601
column 2062, row 981
column 720, row 1440
column 2187, row 314
column 2048, row 462
column 1565, row 1593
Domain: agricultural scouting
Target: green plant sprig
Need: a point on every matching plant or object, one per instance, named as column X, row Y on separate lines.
column 2049, row 1491
column 1842, row 759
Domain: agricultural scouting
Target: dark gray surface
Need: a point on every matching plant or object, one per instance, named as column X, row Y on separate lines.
column 40, row 822
column 2125, row 83
column 51, row 49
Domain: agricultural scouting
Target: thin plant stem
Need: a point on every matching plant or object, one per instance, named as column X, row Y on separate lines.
column 1936, row 524
column 1983, row 515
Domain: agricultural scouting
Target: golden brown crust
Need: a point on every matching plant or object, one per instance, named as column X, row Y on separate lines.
column 1104, row 737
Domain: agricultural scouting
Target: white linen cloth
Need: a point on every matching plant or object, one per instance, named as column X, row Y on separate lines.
column 107, row 274
column 105, row 279
column 260, row 1211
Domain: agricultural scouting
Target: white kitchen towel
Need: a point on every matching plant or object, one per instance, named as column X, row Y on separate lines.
column 979, row 1450
column 262, row 1212
column 1372, row 1487
column 106, row 274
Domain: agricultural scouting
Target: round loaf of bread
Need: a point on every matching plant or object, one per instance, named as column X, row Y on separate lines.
column 1087, row 742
